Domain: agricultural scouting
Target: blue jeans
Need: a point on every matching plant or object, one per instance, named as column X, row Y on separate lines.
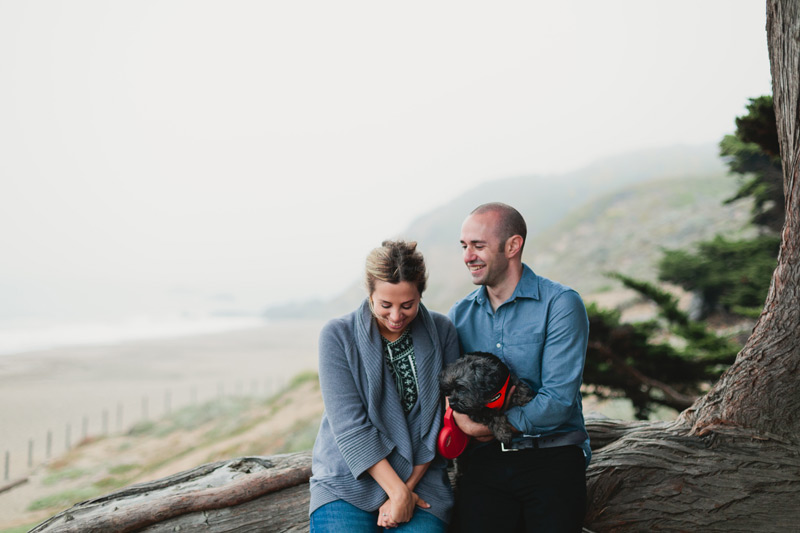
column 340, row 516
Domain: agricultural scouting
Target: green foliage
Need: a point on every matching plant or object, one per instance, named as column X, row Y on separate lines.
column 702, row 343
column 301, row 378
column 19, row 529
column 65, row 498
column 731, row 275
column 759, row 126
column 627, row 359
column 118, row 476
column 753, row 152
column 143, row 427
column 110, row 483
column 301, row 436
column 123, row 469
column 65, row 474
column 192, row 417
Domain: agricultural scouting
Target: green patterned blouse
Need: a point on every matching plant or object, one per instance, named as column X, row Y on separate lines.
column 403, row 366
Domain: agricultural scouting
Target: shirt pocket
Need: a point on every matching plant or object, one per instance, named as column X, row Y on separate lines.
column 523, row 354
column 524, row 336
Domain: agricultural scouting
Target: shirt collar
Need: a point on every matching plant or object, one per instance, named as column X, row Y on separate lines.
column 528, row 287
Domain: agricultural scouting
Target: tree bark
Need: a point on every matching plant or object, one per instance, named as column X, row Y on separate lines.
column 731, row 462
column 759, row 389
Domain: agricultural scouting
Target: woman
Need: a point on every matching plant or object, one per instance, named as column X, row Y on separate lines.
column 374, row 461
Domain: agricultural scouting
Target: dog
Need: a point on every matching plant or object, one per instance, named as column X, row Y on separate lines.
column 478, row 384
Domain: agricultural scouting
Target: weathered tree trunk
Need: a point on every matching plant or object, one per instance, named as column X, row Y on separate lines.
column 731, row 462
column 759, row 390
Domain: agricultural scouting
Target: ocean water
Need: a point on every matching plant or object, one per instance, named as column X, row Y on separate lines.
column 29, row 334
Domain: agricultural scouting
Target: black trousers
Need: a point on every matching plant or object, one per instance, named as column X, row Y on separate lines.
column 542, row 490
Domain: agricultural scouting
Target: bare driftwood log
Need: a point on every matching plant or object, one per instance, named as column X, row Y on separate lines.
column 243, row 495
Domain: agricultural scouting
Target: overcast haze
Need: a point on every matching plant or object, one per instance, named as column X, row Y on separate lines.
column 232, row 155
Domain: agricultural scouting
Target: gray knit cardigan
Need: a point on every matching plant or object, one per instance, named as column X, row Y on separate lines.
column 364, row 421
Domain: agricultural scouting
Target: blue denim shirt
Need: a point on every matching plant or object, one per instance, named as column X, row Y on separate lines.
column 541, row 333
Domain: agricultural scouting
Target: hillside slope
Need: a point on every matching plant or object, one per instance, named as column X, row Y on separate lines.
column 623, row 231
column 656, row 198
column 217, row 430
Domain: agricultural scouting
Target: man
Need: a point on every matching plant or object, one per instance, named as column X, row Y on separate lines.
column 540, row 329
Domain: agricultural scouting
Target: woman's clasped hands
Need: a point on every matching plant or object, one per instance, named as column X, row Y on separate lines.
column 399, row 508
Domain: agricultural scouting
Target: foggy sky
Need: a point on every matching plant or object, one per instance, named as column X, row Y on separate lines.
column 249, row 153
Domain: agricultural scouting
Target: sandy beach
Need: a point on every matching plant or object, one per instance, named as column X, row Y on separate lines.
column 89, row 390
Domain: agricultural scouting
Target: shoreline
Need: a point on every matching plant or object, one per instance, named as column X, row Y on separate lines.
column 25, row 336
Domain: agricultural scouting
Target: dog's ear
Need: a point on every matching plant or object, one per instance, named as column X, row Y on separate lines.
column 446, row 381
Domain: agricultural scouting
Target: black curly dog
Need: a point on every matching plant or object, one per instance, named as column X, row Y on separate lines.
column 474, row 381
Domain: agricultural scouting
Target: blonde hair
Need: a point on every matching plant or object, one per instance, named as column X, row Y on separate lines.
column 393, row 262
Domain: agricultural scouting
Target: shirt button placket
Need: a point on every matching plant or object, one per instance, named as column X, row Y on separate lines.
column 498, row 330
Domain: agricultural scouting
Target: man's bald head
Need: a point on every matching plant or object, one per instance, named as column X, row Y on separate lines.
column 510, row 221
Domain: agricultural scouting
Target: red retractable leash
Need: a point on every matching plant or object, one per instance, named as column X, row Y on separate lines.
column 452, row 441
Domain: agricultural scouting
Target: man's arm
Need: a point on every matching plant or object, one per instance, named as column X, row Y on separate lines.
column 563, row 358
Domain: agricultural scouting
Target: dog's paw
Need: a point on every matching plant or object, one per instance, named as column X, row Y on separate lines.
column 502, row 429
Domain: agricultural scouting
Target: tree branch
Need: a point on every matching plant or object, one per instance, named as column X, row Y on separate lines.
column 672, row 398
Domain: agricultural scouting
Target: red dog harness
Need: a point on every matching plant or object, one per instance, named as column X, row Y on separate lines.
column 499, row 399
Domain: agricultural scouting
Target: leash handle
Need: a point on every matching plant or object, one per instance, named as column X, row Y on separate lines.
column 452, row 441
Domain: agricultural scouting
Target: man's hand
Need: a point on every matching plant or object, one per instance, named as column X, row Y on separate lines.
column 477, row 431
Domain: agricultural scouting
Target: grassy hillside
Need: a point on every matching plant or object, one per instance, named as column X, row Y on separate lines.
column 614, row 215
column 626, row 231
column 623, row 231
column 214, row 431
